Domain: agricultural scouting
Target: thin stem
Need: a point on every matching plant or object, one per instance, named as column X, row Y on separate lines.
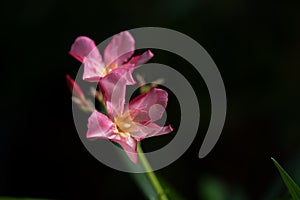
column 151, row 175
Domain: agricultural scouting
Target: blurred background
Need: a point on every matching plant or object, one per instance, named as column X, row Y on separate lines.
column 255, row 44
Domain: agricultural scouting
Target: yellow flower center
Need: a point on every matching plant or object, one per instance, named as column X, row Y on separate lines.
column 124, row 125
column 109, row 69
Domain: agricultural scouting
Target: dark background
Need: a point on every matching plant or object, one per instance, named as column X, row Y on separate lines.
column 256, row 46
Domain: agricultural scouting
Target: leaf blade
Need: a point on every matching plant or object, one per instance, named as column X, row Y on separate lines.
column 288, row 181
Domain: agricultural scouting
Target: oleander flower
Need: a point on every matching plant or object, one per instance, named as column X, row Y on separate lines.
column 117, row 57
column 130, row 123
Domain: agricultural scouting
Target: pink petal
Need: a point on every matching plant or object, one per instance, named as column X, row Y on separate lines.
column 120, row 49
column 82, row 47
column 126, row 73
column 129, row 146
column 149, row 106
column 141, row 59
column 100, row 126
column 149, row 130
column 85, row 50
column 92, row 70
column 113, row 87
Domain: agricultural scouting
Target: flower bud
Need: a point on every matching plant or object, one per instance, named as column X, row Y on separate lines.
column 74, row 88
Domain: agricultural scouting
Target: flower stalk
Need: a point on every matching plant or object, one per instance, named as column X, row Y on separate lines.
column 151, row 175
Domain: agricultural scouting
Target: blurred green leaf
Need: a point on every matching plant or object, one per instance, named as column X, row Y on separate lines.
column 213, row 188
column 289, row 182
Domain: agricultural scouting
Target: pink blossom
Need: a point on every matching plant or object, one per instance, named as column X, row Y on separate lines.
column 117, row 57
column 128, row 124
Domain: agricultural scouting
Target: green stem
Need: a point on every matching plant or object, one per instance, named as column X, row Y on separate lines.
column 151, row 175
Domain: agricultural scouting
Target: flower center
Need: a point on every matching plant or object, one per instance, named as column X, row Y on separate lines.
column 109, row 69
column 124, row 124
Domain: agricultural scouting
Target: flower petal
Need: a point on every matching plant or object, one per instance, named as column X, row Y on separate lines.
column 149, row 106
column 129, row 145
column 85, row 50
column 92, row 70
column 113, row 87
column 120, row 48
column 100, row 126
column 83, row 47
column 126, row 73
column 144, row 131
column 140, row 59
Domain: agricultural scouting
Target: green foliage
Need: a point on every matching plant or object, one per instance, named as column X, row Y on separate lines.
column 212, row 188
column 288, row 181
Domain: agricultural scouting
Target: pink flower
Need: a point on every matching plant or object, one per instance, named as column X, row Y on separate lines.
column 131, row 123
column 117, row 57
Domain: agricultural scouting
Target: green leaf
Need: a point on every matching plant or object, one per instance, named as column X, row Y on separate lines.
column 290, row 184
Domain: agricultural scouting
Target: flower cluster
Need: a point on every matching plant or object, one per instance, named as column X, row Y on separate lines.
column 125, row 124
